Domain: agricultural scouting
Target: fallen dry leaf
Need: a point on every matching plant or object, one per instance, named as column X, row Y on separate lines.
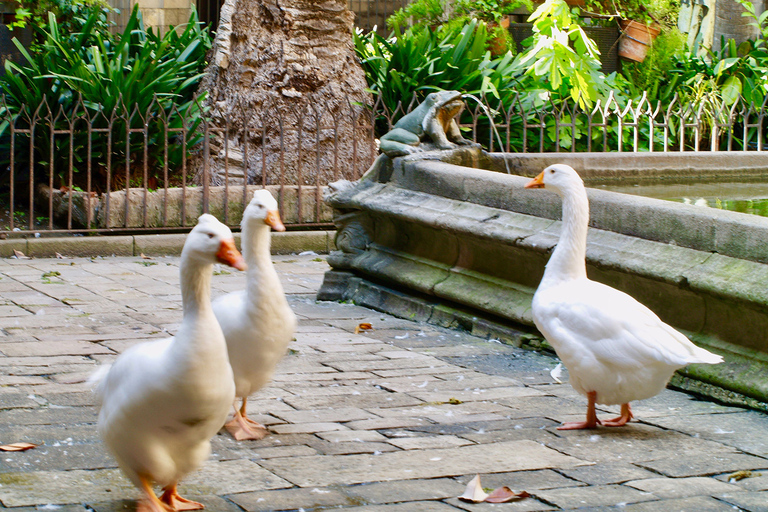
column 741, row 475
column 146, row 257
column 59, row 256
column 450, row 401
column 17, row 447
column 505, row 494
column 365, row 326
column 474, row 492
column 20, row 255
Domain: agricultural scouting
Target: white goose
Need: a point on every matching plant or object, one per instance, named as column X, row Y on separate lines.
column 163, row 400
column 616, row 350
column 257, row 322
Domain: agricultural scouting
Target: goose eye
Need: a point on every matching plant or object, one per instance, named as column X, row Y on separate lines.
column 211, row 235
column 551, row 171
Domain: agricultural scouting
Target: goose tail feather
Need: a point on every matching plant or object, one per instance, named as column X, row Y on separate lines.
column 97, row 379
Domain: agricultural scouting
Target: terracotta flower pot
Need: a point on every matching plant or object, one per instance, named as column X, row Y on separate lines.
column 498, row 45
column 635, row 39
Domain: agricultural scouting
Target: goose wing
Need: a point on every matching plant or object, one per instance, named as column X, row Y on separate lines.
column 587, row 316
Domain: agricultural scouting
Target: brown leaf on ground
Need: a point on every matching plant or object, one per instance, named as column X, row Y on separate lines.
column 365, row 326
column 146, row 257
column 20, row 255
column 17, row 447
column 505, row 494
column 450, row 401
column 474, row 492
column 741, row 475
column 59, row 256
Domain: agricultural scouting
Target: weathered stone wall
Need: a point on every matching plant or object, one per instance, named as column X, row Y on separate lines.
column 162, row 14
column 181, row 207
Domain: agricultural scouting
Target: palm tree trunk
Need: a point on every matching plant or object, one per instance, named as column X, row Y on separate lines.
column 285, row 68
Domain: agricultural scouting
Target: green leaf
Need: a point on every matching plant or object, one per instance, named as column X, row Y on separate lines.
column 731, row 90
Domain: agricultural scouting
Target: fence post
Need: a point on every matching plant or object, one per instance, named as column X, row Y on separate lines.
column 206, row 165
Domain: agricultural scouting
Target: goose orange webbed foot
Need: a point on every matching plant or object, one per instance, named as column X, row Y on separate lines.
column 150, row 502
column 147, row 505
column 579, row 425
column 623, row 419
column 171, row 498
column 591, row 422
column 243, row 428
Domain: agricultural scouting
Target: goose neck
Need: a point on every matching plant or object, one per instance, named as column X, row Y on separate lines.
column 256, row 243
column 262, row 276
column 568, row 259
column 196, row 287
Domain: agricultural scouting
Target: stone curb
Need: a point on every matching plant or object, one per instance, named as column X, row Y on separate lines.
column 152, row 245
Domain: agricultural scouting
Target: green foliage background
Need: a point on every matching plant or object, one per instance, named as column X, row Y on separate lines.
column 112, row 82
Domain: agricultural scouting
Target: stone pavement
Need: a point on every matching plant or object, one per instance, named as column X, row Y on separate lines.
column 396, row 419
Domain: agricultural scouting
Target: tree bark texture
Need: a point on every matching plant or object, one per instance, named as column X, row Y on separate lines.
column 287, row 92
column 731, row 24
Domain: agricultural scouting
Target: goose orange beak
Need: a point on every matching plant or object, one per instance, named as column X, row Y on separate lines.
column 273, row 220
column 229, row 255
column 537, row 182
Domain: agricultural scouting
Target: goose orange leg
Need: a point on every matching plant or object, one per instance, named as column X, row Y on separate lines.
column 626, row 415
column 171, row 497
column 242, row 427
column 150, row 502
column 592, row 421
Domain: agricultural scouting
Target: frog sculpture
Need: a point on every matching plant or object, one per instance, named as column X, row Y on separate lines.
column 433, row 119
column 432, row 125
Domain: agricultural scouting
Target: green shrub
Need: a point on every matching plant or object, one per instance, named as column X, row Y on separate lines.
column 422, row 60
column 71, row 15
column 558, row 65
column 114, row 83
column 419, row 13
column 654, row 75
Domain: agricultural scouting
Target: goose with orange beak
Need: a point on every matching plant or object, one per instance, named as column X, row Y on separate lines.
column 257, row 322
column 616, row 350
column 162, row 401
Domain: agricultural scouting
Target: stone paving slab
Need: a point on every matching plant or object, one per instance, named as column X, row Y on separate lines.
column 397, row 419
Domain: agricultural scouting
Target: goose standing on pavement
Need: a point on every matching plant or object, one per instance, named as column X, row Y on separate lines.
column 615, row 349
column 257, row 322
column 163, row 400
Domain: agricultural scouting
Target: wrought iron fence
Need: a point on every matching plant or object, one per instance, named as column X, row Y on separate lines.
column 527, row 126
column 85, row 170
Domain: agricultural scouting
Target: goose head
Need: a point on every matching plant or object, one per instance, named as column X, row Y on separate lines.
column 558, row 178
column 210, row 241
column 263, row 209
